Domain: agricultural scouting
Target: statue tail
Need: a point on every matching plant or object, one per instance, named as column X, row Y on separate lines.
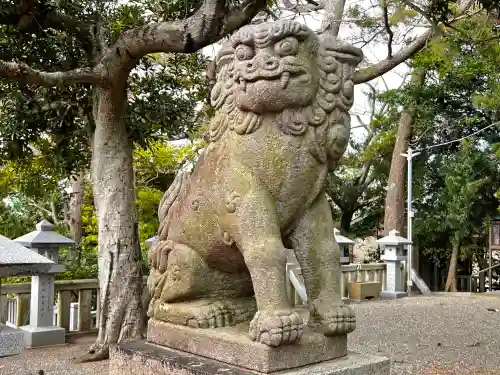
column 169, row 198
column 167, row 202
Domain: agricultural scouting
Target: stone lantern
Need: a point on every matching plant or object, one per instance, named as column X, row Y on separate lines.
column 41, row 330
column 345, row 245
column 394, row 255
column 17, row 260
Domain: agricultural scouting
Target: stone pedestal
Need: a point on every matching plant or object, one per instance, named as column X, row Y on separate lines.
column 11, row 341
column 233, row 346
column 142, row 358
column 394, row 277
column 393, row 256
column 41, row 330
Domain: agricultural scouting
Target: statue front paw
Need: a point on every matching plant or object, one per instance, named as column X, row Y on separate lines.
column 336, row 320
column 158, row 255
column 275, row 328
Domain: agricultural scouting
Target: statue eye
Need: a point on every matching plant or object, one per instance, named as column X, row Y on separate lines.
column 244, row 52
column 288, row 46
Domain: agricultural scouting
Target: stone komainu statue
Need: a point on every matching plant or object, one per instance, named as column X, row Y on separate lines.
column 282, row 97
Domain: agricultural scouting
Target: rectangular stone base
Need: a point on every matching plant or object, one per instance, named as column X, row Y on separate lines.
column 11, row 341
column 359, row 291
column 232, row 345
column 43, row 336
column 142, row 358
column 392, row 295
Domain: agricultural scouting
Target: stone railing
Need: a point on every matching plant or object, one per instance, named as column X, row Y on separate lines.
column 76, row 307
column 364, row 272
column 351, row 272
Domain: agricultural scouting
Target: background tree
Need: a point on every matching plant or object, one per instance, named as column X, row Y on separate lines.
column 458, row 99
column 486, row 31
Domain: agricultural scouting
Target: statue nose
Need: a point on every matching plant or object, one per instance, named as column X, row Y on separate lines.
column 269, row 62
column 251, row 67
column 264, row 62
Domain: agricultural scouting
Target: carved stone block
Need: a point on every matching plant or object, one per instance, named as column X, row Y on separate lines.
column 233, row 346
column 142, row 358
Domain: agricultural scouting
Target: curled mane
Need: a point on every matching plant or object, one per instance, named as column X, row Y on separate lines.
column 327, row 114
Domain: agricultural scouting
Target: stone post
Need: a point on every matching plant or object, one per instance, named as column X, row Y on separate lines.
column 41, row 330
column 17, row 260
column 394, row 255
column 345, row 245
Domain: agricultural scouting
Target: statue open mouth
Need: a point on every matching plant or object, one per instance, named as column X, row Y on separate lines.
column 283, row 76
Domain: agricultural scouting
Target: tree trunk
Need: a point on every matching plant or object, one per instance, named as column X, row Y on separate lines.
column 451, row 281
column 120, row 277
column 394, row 217
column 75, row 215
column 345, row 220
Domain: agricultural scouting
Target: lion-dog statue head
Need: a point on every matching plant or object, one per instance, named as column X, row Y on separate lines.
column 284, row 68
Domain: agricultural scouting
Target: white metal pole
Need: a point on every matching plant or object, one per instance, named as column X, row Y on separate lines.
column 409, row 156
column 409, row 217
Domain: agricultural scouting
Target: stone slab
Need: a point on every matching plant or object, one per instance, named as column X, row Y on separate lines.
column 392, row 295
column 233, row 346
column 142, row 358
column 11, row 341
column 43, row 336
column 17, row 260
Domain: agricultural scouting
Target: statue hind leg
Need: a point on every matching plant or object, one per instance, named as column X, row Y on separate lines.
column 319, row 256
column 189, row 292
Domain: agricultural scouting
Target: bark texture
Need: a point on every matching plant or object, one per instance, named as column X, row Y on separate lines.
column 451, row 281
column 74, row 218
column 120, row 276
column 395, row 215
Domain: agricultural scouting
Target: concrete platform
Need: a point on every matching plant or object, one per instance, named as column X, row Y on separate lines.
column 142, row 358
column 11, row 341
column 232, row 345
column 43, row 336
column 392, row 295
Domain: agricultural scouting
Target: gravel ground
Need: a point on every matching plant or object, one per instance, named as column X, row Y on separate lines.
column 56, row 360
column 422, row 335
column 432, row 335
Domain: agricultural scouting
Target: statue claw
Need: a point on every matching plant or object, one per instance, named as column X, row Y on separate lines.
column 335, row 321
column 275, row 328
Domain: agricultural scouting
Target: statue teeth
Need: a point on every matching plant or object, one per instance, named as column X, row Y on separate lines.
column 285, row 78
column 243, row 84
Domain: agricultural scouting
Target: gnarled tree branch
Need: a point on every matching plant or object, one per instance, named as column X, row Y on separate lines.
column 23, row 73
column 212, row 21
column 376, row 70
